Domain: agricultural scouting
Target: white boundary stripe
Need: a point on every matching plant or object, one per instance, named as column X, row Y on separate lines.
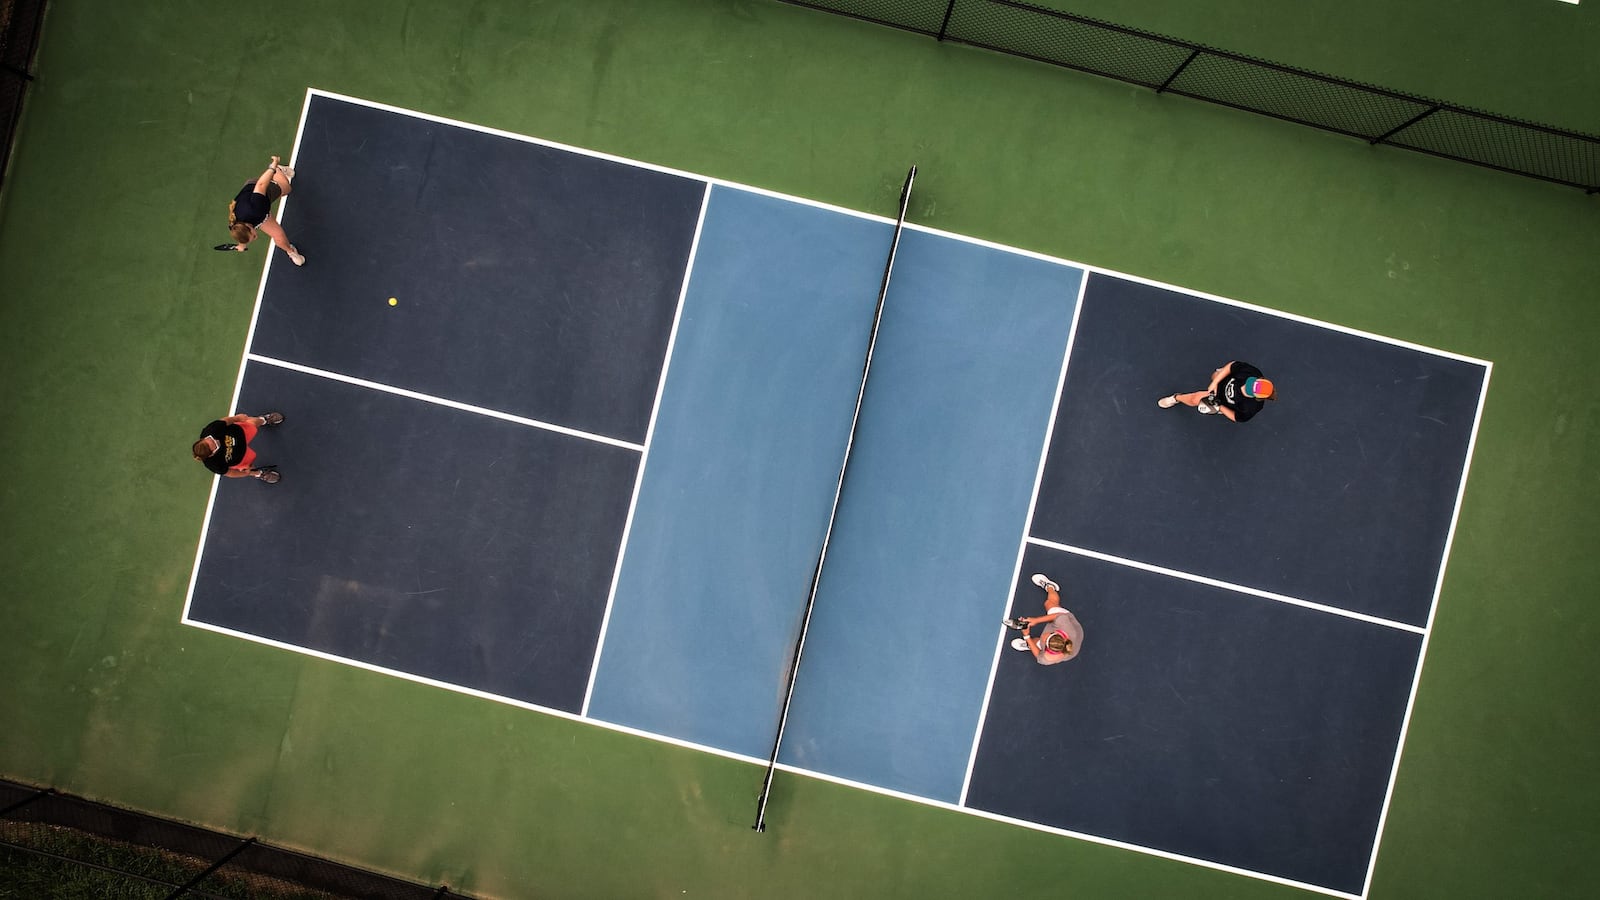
column 1422, row 653
column 1228, row 586
column 644, row 459
column 238, row 381
column 1051, row 829
column 1022, row 543
column 750, row 760
column 472, row 692
column 595, row 154
column 1087, row 269
column 1091, row 269
column 440, row 401
column 1461, row 492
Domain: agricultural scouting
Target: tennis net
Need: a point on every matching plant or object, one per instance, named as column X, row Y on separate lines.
column 838, row 491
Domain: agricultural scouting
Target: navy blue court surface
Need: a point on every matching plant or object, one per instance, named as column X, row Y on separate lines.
column 584, row 465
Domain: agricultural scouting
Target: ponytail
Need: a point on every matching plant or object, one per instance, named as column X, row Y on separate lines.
column 242, row 233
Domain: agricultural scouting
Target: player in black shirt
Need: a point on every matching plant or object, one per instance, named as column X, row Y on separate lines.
column 251, row 211
column 224, row 447
column 1238, row 391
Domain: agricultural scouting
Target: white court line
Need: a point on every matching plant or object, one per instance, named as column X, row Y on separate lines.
column 1202, row 295
column 1422, row 652
column 1051, row 829
column 1228, row 586
column 238, row 381
column 594, row 154
column 734, row 185
column 644, row 459
column 750, row 760
column 1022, row 543
column 1087, row 270
column 472, row 692
column 441, row 401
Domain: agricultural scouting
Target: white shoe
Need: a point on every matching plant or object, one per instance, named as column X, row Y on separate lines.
column 1019, row 644
column 1047, row 584
column 1168, row 401
column 296, row 258
column 288, row 173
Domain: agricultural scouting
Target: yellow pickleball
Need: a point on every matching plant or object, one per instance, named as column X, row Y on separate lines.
column 393, row 301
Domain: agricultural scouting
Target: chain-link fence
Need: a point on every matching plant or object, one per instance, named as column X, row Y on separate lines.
column 1376, row 115
column 20, row 21
column 54, row 845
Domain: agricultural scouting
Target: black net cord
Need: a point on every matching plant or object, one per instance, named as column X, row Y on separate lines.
column 844, row 465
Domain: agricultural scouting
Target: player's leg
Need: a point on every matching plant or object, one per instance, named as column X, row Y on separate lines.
column 1052, row 591
column 1192, row 398
column 270, row 227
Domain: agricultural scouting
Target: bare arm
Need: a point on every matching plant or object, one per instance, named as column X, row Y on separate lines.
column 1219, row 374
column 266, row 178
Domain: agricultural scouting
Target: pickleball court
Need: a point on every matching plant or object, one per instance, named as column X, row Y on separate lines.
column 585, row 463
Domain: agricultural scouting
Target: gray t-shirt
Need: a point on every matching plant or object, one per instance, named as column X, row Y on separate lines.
column 1067, row 624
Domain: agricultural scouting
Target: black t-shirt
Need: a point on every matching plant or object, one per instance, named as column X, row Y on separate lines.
column 1230, row 391
column 250, row 207
column 231, row 437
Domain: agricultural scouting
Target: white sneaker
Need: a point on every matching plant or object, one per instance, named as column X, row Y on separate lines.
column 1168, row 401
column 288, row 173
column 296, row 258
column 1047, row 584
column 1019, row 644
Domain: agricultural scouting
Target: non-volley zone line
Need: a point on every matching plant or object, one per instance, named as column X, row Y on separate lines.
column 441, row 401
column 1227, row 586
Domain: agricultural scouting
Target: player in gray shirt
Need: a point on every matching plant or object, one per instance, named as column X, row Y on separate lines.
column 1062, row 636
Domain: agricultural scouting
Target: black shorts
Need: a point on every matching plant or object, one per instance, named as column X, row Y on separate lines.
column 248, row 206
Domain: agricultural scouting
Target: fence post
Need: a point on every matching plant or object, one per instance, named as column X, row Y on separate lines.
column 1406, row 124
column 214, row 866
column 42, row 792
column 1179, row 70
column 945, row 25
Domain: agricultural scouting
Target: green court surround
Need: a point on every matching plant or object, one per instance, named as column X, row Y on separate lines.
column 121, row 333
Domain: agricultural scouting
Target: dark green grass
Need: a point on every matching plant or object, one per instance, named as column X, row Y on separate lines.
column 145, row 119
column 39, row 861
column 26, row 876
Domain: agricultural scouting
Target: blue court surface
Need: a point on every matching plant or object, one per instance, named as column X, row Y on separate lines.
column 584, row 464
